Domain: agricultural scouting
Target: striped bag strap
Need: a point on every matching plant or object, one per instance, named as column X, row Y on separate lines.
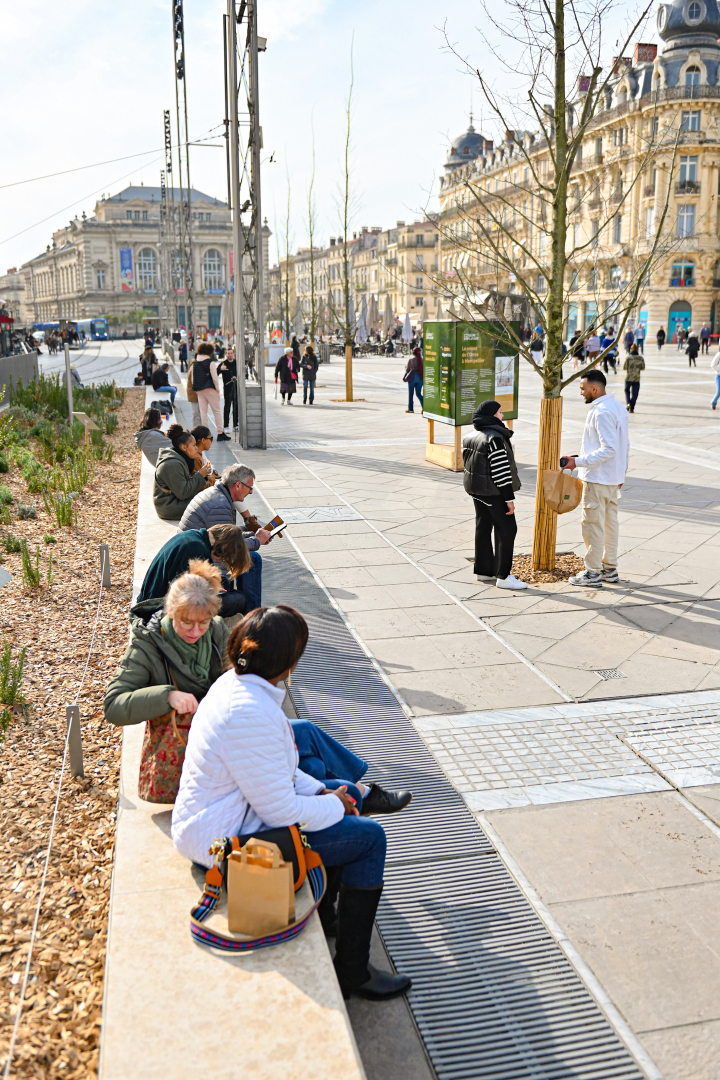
column 316, row 875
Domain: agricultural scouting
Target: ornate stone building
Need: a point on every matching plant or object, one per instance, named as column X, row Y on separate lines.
column 657, row 139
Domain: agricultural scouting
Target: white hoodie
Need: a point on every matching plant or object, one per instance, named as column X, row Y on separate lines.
column 715, row 363
column 605, row 452
column 240, row 772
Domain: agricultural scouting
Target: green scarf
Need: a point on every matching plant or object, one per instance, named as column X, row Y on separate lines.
column 196, row 657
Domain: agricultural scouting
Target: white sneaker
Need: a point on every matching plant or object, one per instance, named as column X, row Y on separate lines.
column 511, row 582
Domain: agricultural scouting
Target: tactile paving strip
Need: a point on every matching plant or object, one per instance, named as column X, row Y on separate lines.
column 493, row 995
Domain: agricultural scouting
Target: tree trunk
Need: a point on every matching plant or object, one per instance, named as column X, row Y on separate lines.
column 545, row 529
column 348, row 372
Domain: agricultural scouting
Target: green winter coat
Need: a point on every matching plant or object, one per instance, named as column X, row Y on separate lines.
column 175, row 486
column 140, row 689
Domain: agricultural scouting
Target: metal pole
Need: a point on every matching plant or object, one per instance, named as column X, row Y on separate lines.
column 259, row 260
column 105, row 583
column 72, row 715
column 226, row 121
column 239, row 299
column 68, row 377
column 191, row 282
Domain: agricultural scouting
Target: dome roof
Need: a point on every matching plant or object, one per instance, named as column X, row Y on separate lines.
column 683, row 20
column 466, row 147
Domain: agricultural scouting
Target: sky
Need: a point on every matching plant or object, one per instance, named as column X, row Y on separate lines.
column 85, row 83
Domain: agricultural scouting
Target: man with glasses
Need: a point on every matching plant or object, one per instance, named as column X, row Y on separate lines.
column 218, row 505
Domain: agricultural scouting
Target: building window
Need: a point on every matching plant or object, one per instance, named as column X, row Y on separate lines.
column 576, row 236
column 617, row 229
column 137, row 215
column 212, row 269
column 649, row 222
column 575, row 281
column 594, row 234
column 419, row 301
column 694, row 12
column 688, row 168
column 615, row 277
column 541, row 284
column 692, row 76
column 418, row 283
column 598, row 150
column 148, row 270
column 101, row 279
column 686, row 220
column 682, row 275
column 128, row 214
column 145, row 215
column 654, row 125
column 592, row 279
column 690, row 120
column 207, row 217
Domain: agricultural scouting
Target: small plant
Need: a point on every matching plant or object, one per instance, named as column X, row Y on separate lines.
column 61, row 506
column 11, row 676
column 26, row 511
column 11, row 544
column 49, row 538
column 4, row 466
column 30, row 570
column 6, row 495
column 109, row 451
column 50, row 575
column 5, row 720
column 5, row 515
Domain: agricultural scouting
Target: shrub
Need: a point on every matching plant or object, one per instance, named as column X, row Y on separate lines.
column 5, row 721
column 30, row 569
column 50, row 539
column 61, row 506
column 4, row 465
column 11, row 544
column 5, row 515
column 26, row 511
column 6, row 495
column 11, row 676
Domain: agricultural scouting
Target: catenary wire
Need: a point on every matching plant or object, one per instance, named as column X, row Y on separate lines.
column 41, row 893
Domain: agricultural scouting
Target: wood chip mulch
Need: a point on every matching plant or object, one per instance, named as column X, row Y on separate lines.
column 60, row 1022
column 565, row 566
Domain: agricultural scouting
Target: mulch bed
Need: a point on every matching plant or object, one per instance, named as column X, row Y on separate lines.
column 60, row 1025
column 565, row 566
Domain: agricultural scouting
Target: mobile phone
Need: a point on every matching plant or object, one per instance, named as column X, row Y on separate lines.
column 275, row 526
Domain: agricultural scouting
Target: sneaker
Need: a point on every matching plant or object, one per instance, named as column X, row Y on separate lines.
column 713, row 407
column 609, row 573
column 485, row 577
column 588, row 578
column 409, row 410
column 511, row 582
column 222, row 437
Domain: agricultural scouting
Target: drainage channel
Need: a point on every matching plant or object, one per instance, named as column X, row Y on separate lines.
column 494, row 996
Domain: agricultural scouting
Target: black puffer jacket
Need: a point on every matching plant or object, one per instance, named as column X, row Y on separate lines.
column 477, row 478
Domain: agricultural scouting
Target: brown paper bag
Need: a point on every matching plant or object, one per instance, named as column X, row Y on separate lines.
column 261, row 897
column 562, row 490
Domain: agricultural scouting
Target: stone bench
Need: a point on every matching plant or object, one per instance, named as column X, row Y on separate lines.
column 175, row 1009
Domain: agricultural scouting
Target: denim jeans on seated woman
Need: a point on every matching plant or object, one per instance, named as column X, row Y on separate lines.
column 358, row 844
column 323, row 757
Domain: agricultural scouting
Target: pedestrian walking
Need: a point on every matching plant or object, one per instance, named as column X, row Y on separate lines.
column 192, row 398
column 287, row 372
column 603, row 461
column 296, row 351
column 634, row 364
column 309, row 366
column 227, row 370
column 594, row 345
column 715, row 367
column 537, row 348
column 610, row 357
column 660, row 338
column 704, row 338
column 575, row 348
column 629, row 340
column 640, row 337
column 414, row 378
column 491, row 478
column 681, row 336
column 693, row 348
column 207, row 387
column 183, row 356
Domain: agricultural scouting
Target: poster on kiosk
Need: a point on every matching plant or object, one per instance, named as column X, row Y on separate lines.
column 465, row 364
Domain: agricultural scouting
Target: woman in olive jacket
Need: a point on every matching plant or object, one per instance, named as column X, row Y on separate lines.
column 176, row 482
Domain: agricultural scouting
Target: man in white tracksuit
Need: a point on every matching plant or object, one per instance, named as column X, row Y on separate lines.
column 602, row 462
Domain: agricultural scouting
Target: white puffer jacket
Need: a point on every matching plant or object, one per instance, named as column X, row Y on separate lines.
column 241, row 770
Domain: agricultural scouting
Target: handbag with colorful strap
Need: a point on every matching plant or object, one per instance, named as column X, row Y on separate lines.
column 306, row 864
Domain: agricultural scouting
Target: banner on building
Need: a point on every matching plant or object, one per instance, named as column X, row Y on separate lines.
column 126, row 269
column 232, row 271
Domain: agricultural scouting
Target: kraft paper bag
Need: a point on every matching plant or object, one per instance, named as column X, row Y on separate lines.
column 562, row 490
column 261, row 894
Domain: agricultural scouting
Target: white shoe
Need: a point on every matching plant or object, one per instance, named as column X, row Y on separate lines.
column 511, row 582
column 485, row 577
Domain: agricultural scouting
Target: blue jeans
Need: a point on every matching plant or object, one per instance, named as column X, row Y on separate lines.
column 414, row 383
column 309, row 383
column 171, row 390
column 717, row 389
column 248, row 585
column 358, row 844
column 325, row 758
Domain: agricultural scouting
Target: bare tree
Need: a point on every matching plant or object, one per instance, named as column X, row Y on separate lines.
column 529, row 232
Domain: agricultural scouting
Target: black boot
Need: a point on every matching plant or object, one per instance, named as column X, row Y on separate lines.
column 326, row 909
column 379, row 801
column 356, row 916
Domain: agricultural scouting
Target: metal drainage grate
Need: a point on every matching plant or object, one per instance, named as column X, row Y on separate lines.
column 493, row 997
column 608, row 673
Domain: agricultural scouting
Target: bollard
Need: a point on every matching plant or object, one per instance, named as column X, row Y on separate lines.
column 72, row 714
column 105, row 566
column 68, row 376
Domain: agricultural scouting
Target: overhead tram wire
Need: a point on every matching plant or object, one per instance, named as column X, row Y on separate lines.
column 51, row 836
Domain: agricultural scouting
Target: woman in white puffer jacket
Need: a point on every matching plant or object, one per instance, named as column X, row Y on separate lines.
column 241, row 776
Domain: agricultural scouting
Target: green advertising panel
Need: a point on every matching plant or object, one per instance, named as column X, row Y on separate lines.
column 464, row 365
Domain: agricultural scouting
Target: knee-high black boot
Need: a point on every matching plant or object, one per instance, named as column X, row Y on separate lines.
column 356, row 916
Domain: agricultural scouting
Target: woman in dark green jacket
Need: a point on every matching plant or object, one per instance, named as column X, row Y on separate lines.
column 176, row 483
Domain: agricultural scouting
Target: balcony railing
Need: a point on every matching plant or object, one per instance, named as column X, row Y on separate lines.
column 616, row 197
column 594, row 204
column 687, row 187
column 649, row 191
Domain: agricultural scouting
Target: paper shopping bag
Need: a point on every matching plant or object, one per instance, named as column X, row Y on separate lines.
column 562, row 490
column 261, row 897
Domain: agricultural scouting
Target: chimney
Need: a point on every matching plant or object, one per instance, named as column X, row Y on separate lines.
column 332, row 241
column 644, row 54
column 509, row 136
column 583, row 83
column 400, row 224
column 620, row 62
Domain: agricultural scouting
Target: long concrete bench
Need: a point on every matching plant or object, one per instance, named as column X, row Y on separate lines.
column 175, row 1009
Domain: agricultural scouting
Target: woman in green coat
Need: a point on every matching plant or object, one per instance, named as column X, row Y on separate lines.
column 176, row 652
column 176, row 482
